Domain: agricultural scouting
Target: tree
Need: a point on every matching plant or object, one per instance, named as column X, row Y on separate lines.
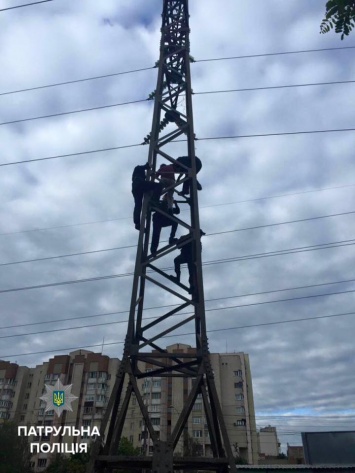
column 74, row 464
column 15, row 453
column 339, row 14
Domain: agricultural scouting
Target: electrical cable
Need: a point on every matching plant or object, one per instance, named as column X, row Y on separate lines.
column 73, row 111
column 11, row 263
column 178, row 314
column 202, row 207
column 184, row 334
column 76, row 81
column 115, row 148
column 346, row 281
column 147, row 100
column 321, row 246
column 25, row 5
column 274, row 87
column 284, row 53
column 153, row 67
column 80, row 153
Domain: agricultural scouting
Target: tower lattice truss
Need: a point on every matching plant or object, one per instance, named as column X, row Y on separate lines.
column 171, row 137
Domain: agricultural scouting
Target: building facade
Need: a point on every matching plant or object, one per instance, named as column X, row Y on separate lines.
column 92, row 376
column 269, row 445
column 165, row 398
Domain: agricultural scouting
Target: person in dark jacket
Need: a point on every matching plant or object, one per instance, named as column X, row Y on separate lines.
column 160, row 221
column 186, row 161
column 139, row 186
column 186, row 257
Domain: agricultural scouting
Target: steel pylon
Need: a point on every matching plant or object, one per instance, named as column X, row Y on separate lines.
column 172, row 122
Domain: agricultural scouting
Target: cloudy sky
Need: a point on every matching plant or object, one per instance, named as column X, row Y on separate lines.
column 303, row 372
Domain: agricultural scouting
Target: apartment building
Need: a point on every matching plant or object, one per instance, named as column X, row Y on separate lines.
column 165, row 398
column 92, row 376
column 13, row 381
column 269, row 445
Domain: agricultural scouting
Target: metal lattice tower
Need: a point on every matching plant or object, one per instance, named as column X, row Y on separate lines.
column 170, row 124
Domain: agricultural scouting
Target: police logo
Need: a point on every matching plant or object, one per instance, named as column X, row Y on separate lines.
column 58, row 398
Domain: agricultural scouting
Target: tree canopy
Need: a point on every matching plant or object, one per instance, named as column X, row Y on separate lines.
column 340, row 15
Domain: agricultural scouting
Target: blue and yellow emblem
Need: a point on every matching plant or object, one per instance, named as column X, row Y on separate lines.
column 58, row 398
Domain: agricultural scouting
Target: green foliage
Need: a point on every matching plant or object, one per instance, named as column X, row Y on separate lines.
column 126, row 448
column 74, row 464
column 14, row 450
column 339, row 14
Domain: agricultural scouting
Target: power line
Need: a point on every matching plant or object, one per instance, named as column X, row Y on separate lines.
column 177, row 141
column 257, row 227
column 178, row 314
column 284, row 53
column 153, row 67
column 261, row 135
column 146, row 100
column 57, row 84
column 274, row 87
column 321, row 246
column 253, row 294
column 73, row 112
column 203, row 207
column 25, row 5
column 185, row 334
column 80, row 153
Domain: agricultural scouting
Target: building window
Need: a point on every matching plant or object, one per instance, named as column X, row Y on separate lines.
column 88, row 410
column 89, row 398
column 24, row 407
column 197, row 433
column 154, row 408
column 197, row 406
column 86, row 423
column 27, row 395
column 238, row 385
column 199, row 396
column 42, row 462
column 238, row 373
column 156, row 395
column 131, row 438
column 156, row 384
column 196, row 420
column 29, row 384
column 93, row 374
column 241, row 422
column 22, row 418
column 240, row 410
column 155, row 421
column 239, row 397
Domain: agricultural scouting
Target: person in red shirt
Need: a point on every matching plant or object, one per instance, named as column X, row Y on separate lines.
column 166, row 173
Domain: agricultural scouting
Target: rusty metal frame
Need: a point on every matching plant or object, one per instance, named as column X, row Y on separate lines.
column 173, row 83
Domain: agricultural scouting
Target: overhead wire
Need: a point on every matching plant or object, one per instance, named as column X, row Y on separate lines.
column 185, row 334
column 57, row 84
column 257, row 227
column 25, row 5
column 132, row 102
column 181, row 313
column 202, row 207
column 289, row 251
column 282, row 53
column 153, row 67
column 253, row 89
column 71, row 112
column 253, row 294
column 115, row 148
